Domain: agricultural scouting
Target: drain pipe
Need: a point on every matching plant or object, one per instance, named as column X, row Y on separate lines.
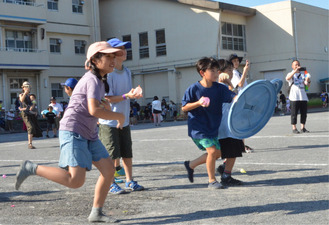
column 4, row 102
column 38, row 91
column 295, row 33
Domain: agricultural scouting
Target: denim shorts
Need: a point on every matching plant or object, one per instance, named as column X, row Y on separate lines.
column 78, row 151
column 206, row 143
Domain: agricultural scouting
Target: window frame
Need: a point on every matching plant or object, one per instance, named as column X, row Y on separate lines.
column 126, row 38
column 80, row 45
column 19, row 41
column 56, row 46
column 233, row 37
column 144, row 51
column 53, row 3
column 160, row 48
column 57, row 92
column 77, row 6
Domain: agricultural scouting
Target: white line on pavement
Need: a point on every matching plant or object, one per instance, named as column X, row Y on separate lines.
column 178, row 162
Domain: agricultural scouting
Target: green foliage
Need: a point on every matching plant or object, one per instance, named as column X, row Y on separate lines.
column 315, row 102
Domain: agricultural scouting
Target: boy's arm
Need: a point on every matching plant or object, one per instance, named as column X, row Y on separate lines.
column 194, row 105
column 244, row 74
column 119, row 98
column 32, row 106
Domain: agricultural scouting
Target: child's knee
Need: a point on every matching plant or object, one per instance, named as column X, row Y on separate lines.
column 77, row 183
column 218, row 154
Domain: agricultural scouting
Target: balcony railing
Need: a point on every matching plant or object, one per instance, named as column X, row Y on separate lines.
column 20, row 2
column 9, row 49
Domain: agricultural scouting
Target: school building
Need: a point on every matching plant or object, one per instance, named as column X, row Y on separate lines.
column 45, row 41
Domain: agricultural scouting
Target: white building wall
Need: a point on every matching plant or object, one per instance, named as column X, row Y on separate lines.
column 312, row 41
column 190, row 32
column 272, row 42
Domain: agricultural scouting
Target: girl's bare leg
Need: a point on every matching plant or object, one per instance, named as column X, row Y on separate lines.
column 106, row 169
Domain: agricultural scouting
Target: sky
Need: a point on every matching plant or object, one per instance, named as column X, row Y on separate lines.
column 250, row 3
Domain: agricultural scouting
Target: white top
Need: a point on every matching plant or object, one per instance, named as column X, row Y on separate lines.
column 119, row 83
column 297, row 91
column 156, row 104
column 236, row 79
column 10, row 115
column 57, row 107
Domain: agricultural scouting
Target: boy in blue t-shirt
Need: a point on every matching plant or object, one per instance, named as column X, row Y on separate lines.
column 204, row 117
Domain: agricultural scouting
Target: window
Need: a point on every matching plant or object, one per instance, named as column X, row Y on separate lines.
column 20, row 41
column 233, row 37
column 77, row 6
column 129, row 50
column 56, row 90
column 161, row 48
column 55, row 45
column 52, row 5
column 143, row 45
column 80, row 47
column 16, row 83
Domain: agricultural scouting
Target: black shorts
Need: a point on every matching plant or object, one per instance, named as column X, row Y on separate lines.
column 231, row 148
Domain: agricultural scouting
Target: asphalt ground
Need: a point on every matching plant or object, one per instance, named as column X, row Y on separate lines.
column 286, row 180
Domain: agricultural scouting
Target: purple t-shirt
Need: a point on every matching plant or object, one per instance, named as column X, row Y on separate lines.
column 76, row 117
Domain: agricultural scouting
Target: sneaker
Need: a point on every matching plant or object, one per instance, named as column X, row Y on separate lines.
column 295, row 131
column 230, row 181
column 134, row 186
column 247, row 149
column 95, row 217
column 120, row 173
column 55, row 136
column 27, row 169
column 116, row 189
column 215, row 185
column 116, row 180
column 189, row 171
column 305, row 131
column 221, row 169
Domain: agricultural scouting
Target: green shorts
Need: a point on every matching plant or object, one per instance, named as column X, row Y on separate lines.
column 116, row 141
column 206, row 143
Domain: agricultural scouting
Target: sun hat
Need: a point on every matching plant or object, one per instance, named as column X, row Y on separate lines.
column 100, row 46
column 71, row 82
column 26, row 84
column 115, row 42
column 234, row 56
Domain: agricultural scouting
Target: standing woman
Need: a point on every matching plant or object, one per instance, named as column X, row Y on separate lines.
column 79, row 143
column 30, row 120
column 297, row 96
column 156, row 111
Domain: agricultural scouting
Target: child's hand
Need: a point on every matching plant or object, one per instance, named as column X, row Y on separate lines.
column 247, row 66
column 133, row 93
column 105, row 104
column 204, row 101
column 121, row 121
column 137, row 92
